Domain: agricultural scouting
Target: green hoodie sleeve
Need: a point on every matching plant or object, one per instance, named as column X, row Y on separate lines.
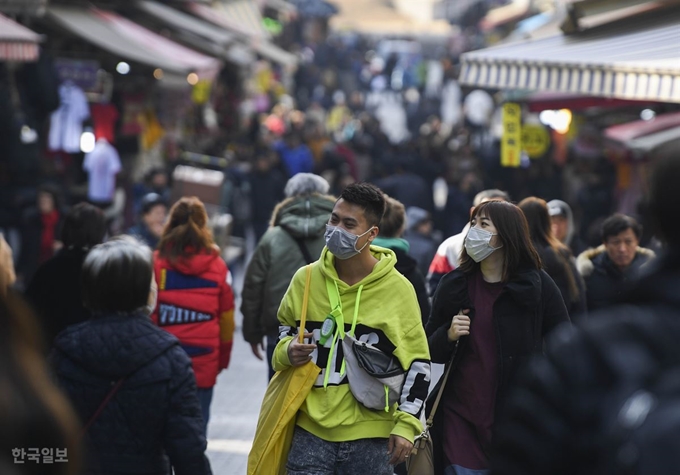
column 412, row 351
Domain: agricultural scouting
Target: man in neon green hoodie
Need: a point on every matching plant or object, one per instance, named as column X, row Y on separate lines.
column 354, row 290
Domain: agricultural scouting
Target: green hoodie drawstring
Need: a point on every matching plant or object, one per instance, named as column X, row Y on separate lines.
column 336, row 303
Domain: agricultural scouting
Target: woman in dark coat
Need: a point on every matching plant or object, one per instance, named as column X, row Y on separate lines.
column 557, row 259
column 54, row 290
column 488, row 316
column 152, row 413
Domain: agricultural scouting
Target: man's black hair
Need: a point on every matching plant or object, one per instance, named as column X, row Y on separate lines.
column 84, row 227
column 369, row 198
column 618, row 223
column 150, row 201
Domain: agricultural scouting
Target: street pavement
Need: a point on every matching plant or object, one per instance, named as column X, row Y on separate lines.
column 236, row 400
column 235, row 407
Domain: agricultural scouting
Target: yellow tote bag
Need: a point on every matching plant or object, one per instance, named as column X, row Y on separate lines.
column 286, row 392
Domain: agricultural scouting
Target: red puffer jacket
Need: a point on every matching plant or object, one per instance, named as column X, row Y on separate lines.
column 196, row 304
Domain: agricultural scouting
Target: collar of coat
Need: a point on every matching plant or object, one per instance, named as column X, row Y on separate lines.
column 584, row 262
column 524, row 287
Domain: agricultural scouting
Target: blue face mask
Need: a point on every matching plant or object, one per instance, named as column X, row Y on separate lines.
column 342, row 243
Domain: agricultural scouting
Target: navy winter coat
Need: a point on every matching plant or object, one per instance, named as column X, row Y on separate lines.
column 155, row 413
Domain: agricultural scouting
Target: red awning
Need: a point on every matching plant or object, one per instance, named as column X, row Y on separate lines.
column 644, row 136
column 633, row 130
column 541, row 101
column 17, row 43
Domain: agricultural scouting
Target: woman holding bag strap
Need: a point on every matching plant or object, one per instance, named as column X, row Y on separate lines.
column 488, row 316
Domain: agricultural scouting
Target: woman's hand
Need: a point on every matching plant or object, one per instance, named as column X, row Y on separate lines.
column 460, row 325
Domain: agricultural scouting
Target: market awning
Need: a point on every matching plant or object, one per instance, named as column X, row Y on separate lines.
column 272, row 52
column 643, row 136
column 241, row 16
column 635, row 58
column 133, row 42
column 17, row 43
column 218, row 40
column 540, row 101
column 248, row 26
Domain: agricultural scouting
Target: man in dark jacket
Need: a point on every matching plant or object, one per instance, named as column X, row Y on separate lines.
column 152, row 217
column 583, row 407
column 391, row 230
column 618, row 260
column 295, row 238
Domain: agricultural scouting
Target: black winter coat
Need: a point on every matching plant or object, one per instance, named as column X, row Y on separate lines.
column 559, row 268
column 408, row 267
column 55, row 293
column 529, row 307
column 558, row 418
column 156, row 411
column 605, row 283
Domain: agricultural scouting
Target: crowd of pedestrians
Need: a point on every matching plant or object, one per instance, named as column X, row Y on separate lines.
column 135, row 338
column 536, row 311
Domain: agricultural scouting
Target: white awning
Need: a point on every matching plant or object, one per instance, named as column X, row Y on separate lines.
column 219, row 40
column 239, row 17
column 636, row 58
column 133, row 42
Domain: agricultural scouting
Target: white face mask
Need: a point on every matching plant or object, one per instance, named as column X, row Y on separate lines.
column 342, row 243
column 477, row 244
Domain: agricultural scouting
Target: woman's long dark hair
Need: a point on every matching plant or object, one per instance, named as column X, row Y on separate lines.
column 513, row 232
column 538, row 217
column 34, row 413
column 187, row 231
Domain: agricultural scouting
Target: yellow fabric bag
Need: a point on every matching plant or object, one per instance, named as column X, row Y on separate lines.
column 285, row 394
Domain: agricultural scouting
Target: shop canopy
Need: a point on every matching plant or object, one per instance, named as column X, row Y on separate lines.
column 220, row 41
column 643, row 136
column 243, row 17
column 636, row 58
column 133, row 42
column 17, row 43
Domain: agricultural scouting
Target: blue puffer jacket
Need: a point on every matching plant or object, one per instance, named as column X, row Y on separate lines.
column 156, row 411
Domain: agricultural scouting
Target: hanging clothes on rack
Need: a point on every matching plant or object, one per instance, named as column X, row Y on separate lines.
column 66, row 124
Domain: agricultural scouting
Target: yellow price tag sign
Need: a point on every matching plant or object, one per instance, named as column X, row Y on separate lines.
column 535, row 140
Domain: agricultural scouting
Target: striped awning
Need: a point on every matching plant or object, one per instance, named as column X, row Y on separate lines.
column 131, row 41
column 242, row 16
column 637, row 58
column 17, row 43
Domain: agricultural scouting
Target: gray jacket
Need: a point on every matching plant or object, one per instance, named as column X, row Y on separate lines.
column 277, row 257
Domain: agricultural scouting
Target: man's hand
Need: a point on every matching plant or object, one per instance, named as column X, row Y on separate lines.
column 399, row 448
column 256, row 347
column 299, row 353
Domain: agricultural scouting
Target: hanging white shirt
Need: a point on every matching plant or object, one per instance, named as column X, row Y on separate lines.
column 102, row 165
column 66, row 123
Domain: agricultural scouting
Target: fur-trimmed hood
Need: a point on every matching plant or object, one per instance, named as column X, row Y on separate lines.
column 586, row 266
column 303, row 216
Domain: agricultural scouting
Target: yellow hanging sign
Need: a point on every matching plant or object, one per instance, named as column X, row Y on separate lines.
column 511, row 142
